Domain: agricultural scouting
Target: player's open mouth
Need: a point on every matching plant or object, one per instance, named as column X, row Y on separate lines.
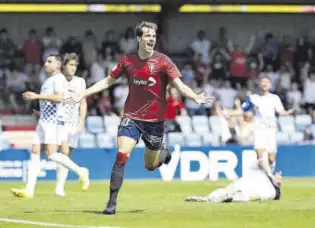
column 150, row 45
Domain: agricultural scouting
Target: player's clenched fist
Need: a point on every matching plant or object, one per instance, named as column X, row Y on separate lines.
column 30, row 96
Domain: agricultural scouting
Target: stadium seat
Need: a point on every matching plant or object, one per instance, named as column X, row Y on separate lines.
column 200, row 124
column 95, row 124
column 282, row 138
column 215, row 124
column 302, row 121
column 185, row 123
column 111, row 121
column 296, row 137
column 287, row 124
column 211, row 139
column 193, row 139
column 87, row 140
column 105, row 141
column 175, row 138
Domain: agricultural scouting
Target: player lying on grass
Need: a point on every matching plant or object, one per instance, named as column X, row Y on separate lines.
column 254, row 186
column 148, row 72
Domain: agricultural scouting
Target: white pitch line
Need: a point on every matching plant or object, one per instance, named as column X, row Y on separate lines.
column 47, row 224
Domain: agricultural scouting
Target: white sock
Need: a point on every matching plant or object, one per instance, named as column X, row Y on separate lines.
column 66, row 162
column 62, row 174
column 273, row 166
column 33, row 171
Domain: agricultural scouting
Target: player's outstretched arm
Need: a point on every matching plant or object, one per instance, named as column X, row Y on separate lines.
column 190, row 94
column 56, row 98
column 287, row 112
column 99, row 86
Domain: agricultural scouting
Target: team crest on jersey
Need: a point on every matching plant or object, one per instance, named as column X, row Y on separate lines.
column 151, row 67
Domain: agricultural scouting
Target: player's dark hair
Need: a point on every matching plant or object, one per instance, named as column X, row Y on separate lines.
column 144, row 24
column 70, row 56
column 57, row 57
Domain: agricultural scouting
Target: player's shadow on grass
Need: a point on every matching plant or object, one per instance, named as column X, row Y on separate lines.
column 72, row 211
column 101, row 212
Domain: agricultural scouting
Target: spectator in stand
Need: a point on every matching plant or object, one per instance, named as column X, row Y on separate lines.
column 32, row 52
column 97, row 70
column 309, row 91
column 128, row 43
column 227, row 95
column 218, row 63
column 270, row 49
column 120, row 96
column 273, row 75
column 7, row 50
column 174, row 106
column 211, row 90
column 109, row 64
column 16, row 85
column 71, row 45
column 188, row 74
column 286, row 52
column 99, row 104
column 89, row 48
column 303, row 51
column 110, row 43
column 295, row 97
column 286, row 74
column 254, row 66
column 202, row 46
column 51, row 43
column 192, row 107
column 238, row 61
column 200, row 68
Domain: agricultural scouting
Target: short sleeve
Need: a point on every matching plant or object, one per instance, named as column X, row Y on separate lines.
column 60, row 85
column 278, row 106
column 171, row 69
column 83, row 84
column 118, row 69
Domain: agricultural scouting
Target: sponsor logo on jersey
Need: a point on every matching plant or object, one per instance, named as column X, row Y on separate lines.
column 150, row 82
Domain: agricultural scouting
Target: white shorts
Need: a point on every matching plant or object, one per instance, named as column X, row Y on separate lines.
column 48, row 133
column 69, row 133
column 257, row 184
column 265, row 138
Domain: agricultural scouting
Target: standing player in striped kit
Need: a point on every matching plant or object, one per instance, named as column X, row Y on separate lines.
column 76, row 114
column 51, row 122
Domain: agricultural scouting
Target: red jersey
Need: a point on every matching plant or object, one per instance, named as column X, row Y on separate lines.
column 238, row 64
column 172, row 107
column 147, row 85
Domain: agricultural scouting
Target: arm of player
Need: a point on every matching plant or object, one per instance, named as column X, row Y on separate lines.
column 56, row 98
column 83, row 111
column 190, row 94
column 280, row 109
column 99, row 86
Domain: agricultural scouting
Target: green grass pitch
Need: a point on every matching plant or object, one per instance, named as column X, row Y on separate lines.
column 158, row 204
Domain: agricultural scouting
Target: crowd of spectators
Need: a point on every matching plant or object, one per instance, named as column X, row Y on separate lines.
column 220, row 67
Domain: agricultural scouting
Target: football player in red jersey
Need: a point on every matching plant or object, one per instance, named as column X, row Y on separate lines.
column 148, row 72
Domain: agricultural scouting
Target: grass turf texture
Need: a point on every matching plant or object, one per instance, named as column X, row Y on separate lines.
column 159, row 204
